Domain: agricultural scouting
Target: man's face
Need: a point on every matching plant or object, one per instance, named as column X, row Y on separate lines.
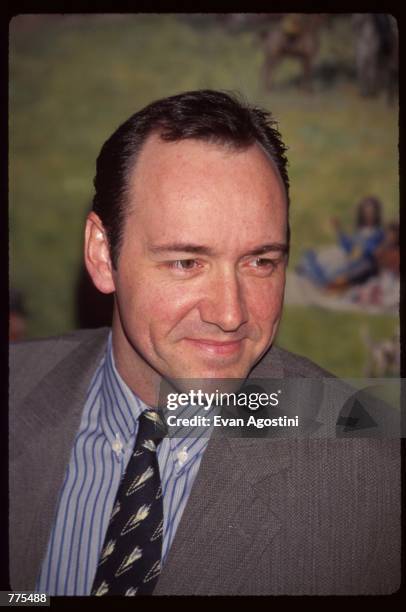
column 201, row 272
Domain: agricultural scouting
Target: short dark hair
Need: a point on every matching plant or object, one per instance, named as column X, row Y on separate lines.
column 208, row 115
column 376, row 204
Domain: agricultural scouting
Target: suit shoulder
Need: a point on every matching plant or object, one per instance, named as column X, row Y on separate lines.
column 35, row 345
column 31, row 360
column 52, row 348
column 298, row 366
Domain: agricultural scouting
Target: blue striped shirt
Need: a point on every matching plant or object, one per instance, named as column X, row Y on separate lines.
column 99, row 457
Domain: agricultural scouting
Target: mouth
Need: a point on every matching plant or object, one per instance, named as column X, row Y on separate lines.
column 215, row 348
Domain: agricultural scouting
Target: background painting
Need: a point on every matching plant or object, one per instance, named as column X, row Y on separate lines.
column 75, row 78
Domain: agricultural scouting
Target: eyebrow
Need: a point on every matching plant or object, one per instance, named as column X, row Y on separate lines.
column 279, row 247
column 197, row 249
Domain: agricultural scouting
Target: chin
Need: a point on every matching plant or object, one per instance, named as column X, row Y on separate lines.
column 214, row 373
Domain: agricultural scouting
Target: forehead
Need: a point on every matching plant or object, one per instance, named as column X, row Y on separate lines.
column 170, row 159
column 193, row 183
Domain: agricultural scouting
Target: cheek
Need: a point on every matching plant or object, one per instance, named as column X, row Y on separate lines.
column 265, row 301
column 157, row 304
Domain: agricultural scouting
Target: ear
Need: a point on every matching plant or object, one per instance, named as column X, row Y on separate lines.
column 97, row 254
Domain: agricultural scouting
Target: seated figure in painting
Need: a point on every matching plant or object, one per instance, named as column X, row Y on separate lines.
column 353, row 261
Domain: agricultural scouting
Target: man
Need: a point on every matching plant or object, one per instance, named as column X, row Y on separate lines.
column 189, row 229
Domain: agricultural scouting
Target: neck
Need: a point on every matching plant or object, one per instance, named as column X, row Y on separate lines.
column 140, row 377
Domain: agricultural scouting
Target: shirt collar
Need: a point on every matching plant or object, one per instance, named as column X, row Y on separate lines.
column 191, row 445
column 120, row 407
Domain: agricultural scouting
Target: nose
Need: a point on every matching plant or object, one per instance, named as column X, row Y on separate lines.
column 224, row 303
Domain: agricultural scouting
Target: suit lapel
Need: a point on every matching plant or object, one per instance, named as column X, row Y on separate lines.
column 228, row 520
column 48, row 421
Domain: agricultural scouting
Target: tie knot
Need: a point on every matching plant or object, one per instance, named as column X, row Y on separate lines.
column 151, row 427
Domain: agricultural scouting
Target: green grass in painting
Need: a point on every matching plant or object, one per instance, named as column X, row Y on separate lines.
column 74, row 80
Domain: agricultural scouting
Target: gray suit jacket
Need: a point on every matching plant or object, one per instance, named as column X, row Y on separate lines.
column 264, row 516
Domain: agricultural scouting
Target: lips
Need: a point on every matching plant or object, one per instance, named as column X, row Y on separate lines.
column 214, row 347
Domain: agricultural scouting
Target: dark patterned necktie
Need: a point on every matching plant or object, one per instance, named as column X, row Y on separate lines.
column 130, row 560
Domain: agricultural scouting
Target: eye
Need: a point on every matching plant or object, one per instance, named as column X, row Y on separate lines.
column 263, row 265
column 263, row 262
column 183, row 264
